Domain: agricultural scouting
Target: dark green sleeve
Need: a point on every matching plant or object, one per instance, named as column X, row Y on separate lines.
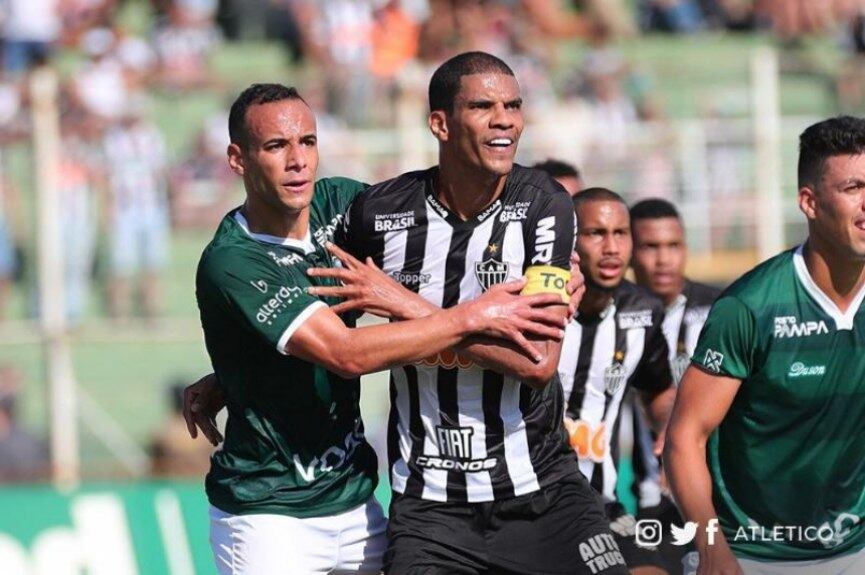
column 269, row 300
column 341, row 192
column 728, row 340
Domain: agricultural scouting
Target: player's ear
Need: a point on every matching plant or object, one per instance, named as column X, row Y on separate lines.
column 808, row 201
column 235, row 159
column 438, row 125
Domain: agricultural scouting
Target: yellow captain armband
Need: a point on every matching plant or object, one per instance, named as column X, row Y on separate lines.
column 547, row 279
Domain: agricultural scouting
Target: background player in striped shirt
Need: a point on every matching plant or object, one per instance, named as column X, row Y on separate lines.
column 660, row 252
column 614, row 343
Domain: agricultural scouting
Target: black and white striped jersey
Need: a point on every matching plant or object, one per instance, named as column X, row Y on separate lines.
column 683, row 322
column 602, row 357
column 458, row 432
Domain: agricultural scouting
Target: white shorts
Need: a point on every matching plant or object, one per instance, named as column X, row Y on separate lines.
column 849, row 564
column 350, row 542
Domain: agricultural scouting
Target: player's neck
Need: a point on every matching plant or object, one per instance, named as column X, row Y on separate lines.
column 264, row 220
column 467, row 193
column 837, row 275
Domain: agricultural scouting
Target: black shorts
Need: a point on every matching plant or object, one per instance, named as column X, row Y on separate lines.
column 558, row 530
column 667, row 514
column 624, row 528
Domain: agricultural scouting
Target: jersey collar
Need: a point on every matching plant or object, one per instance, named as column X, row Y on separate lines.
column 842, row 320
column 305, row 245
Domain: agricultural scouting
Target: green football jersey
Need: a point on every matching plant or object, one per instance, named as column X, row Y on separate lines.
column 788, row 460
column 294, row 440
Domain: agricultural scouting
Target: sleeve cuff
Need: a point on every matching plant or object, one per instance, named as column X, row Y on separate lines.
column 296, row 323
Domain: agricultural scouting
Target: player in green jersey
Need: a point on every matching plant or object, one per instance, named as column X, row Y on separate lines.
column 291, row 488
column 766, row 446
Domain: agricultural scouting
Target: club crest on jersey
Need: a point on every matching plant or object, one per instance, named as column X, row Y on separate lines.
column 491, row 272
column 614, row 375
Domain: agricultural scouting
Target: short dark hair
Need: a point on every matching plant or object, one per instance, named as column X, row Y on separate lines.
column 654, row 209
column 558, row 168
column 254, row 95
column 598, row 195
column 842, row 135
column 445, row 82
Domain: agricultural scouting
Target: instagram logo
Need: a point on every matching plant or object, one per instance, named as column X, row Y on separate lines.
column 648, row 533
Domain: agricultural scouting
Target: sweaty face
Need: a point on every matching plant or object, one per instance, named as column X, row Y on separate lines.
column 838, row 215
column 603, row 242
column 486, row 122
column 659, row 256
column 280, row 158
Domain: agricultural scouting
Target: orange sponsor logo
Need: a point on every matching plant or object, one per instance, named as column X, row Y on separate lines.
column 448, row 359
column 589, row 442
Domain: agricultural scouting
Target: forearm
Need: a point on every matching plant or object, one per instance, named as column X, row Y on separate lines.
column 496, row 354
column 503, row 357
column 690, row 481
column 659, row 407
column 378, row 347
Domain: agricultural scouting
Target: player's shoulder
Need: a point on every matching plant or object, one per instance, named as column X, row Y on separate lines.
column 700, row 294
column 636, row 306
column 231, row 251
column 398, row 188
column 764, row 284
column 524, row 182
column 339, row 185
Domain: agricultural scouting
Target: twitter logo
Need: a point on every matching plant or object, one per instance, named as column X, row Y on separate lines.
column 683, row 535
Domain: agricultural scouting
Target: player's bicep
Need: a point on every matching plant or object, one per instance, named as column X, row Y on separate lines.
column 320, row 339
column 702, row 401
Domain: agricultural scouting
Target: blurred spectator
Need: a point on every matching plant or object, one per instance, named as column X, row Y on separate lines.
column 612, row 111
column 78, row 179
column 137, row 58
column 79, row 16
column 184, row 43
column 281, row 23
column 100, row 88
column 30, row 29
column 564, row 173
column 340, row 43
column 173, row 452
column 8, row 243
column 394, row 39
column 678, row 16
column 23, row 456
column 202, row 188
column 137, row 210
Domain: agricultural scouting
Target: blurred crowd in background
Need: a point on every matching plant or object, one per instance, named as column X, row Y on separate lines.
column 360, row 64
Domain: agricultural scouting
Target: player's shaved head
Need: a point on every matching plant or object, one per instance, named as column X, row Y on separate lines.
column 598, row 195
column 254, row 95
column 445, row 82
column 840, row 136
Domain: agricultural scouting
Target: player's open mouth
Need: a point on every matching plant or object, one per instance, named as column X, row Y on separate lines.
column 296, row 186
column 610, row 270
column 500, row 143
column 860, row 224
